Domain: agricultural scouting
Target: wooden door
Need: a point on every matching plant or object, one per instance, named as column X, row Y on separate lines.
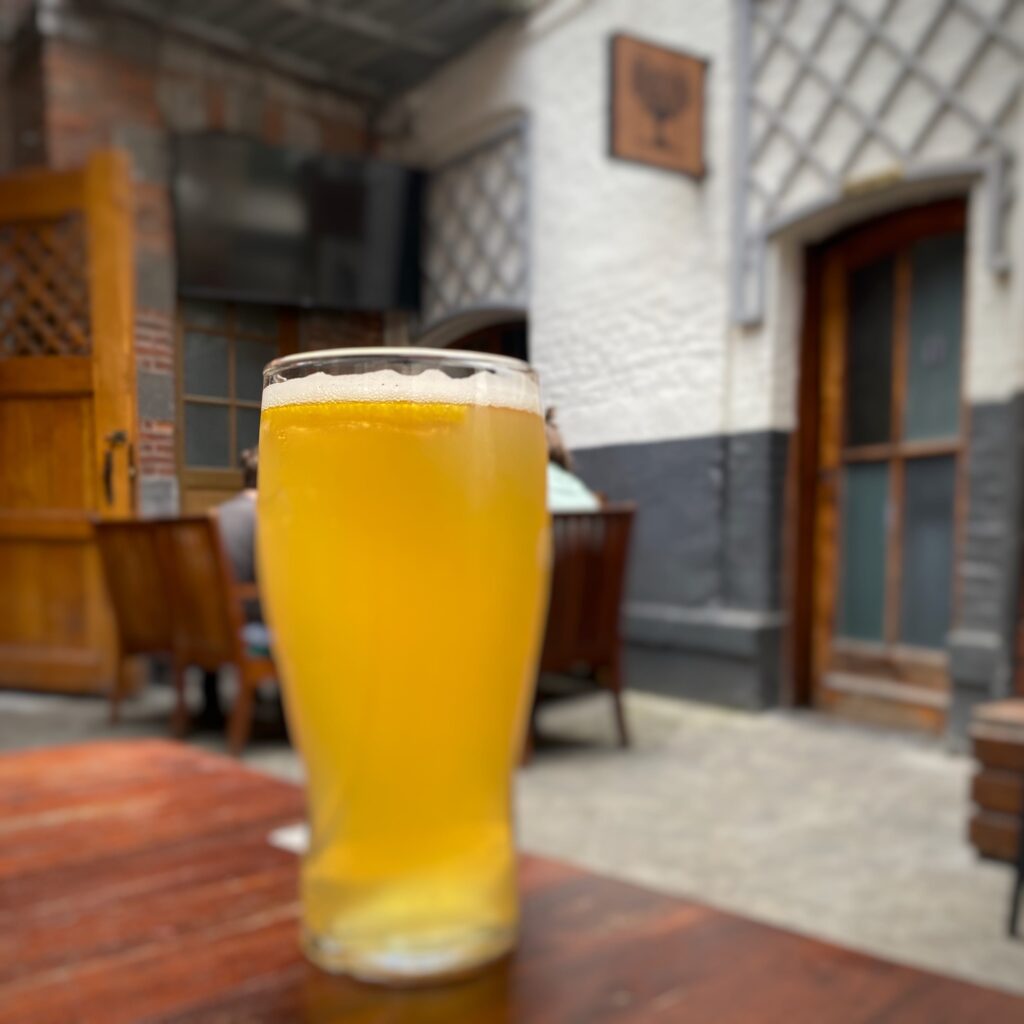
column 889, row 454
column 67, row 416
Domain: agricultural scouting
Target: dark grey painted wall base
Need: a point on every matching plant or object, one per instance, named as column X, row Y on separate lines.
column 981, row 646
column 705, row 569
column 709, row 524
column 692, row 675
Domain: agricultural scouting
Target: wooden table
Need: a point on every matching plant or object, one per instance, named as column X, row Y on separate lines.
column 137, row 884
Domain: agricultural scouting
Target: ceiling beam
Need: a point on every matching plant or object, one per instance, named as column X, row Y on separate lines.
column 367, row 26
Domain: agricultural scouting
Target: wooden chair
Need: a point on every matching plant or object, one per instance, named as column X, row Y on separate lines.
column 138, row 593
column 996, row 828
column 174, row 593
column 209, row 615
column 588, row 575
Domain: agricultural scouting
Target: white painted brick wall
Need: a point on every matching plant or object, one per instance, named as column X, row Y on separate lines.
column 629, row 314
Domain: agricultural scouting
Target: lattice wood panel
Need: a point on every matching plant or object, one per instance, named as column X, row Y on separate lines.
column 44, row 294
column 475, row 251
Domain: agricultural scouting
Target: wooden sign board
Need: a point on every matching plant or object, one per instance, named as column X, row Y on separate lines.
column 657, row 106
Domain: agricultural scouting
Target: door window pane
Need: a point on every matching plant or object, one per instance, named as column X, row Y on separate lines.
column 936, row 324
column 929, row 487
column 207, row 441
column 206, row 365
column 250, row 358
column 869, row 355
column 862, row 567
column 247, row 426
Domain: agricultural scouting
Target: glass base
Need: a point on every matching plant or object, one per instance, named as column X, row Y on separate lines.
column 406, row 962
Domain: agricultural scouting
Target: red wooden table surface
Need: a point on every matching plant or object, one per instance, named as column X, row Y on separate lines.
column 137, row 884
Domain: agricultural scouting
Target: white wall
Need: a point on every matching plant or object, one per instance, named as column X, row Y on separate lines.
column 628, row 265
column 994, row 367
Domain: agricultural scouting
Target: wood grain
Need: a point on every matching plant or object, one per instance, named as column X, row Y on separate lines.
column 995, row 835
column 801, row 499
column 137, row 885
column 1019, row 653
column 997, row 791
column 70, row 383
column 111, row 283
column 589, row 557
column 830, row 433
column 173, row 591
column 1003, row 792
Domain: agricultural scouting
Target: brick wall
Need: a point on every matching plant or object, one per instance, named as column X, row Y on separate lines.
column 98, row 80
column 21, row 104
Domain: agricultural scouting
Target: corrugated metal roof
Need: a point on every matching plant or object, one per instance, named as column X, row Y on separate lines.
column 373, row 49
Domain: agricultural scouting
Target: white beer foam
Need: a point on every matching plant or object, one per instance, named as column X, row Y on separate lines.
column 511, row 392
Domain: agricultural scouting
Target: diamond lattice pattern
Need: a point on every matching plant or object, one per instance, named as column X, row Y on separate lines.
column 475, row 247
column 843, row 91
column 44, row 295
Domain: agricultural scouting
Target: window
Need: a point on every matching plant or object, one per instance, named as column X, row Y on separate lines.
column 223, row 350
column 901, row 444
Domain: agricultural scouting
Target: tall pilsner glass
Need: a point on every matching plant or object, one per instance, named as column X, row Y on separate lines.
column 403, row 552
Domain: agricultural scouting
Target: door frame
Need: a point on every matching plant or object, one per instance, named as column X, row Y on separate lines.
column 803, row 520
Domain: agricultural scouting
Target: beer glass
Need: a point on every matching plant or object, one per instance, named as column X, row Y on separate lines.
column 403, row 553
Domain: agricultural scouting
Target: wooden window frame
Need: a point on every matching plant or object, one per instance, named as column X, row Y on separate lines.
column 221, row 478
column 897, row 451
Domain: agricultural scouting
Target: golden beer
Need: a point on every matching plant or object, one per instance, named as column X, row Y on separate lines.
column 403, row 548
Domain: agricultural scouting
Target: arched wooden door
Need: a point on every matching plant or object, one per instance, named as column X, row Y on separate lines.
column 67, row 416
column 889, row 451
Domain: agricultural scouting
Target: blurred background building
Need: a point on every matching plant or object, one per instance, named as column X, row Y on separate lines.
column 789, row 323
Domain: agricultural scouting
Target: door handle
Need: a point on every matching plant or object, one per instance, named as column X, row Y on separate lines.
column 114, row 440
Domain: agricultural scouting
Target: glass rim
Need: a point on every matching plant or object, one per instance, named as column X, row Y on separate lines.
column 397, row 353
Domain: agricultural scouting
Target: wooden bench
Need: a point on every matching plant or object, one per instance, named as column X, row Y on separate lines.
column 997, row 791
column 185, row 582
column 582, row 641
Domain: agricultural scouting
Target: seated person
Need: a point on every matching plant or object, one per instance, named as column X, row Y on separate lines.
column 566, row 491
column 236, row 519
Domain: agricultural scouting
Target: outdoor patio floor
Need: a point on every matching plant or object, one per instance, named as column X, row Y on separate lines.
column 841, row 832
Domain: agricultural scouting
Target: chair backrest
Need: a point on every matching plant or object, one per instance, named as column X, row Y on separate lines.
column 207, row 614
column 136, row 584
column 588, row 574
